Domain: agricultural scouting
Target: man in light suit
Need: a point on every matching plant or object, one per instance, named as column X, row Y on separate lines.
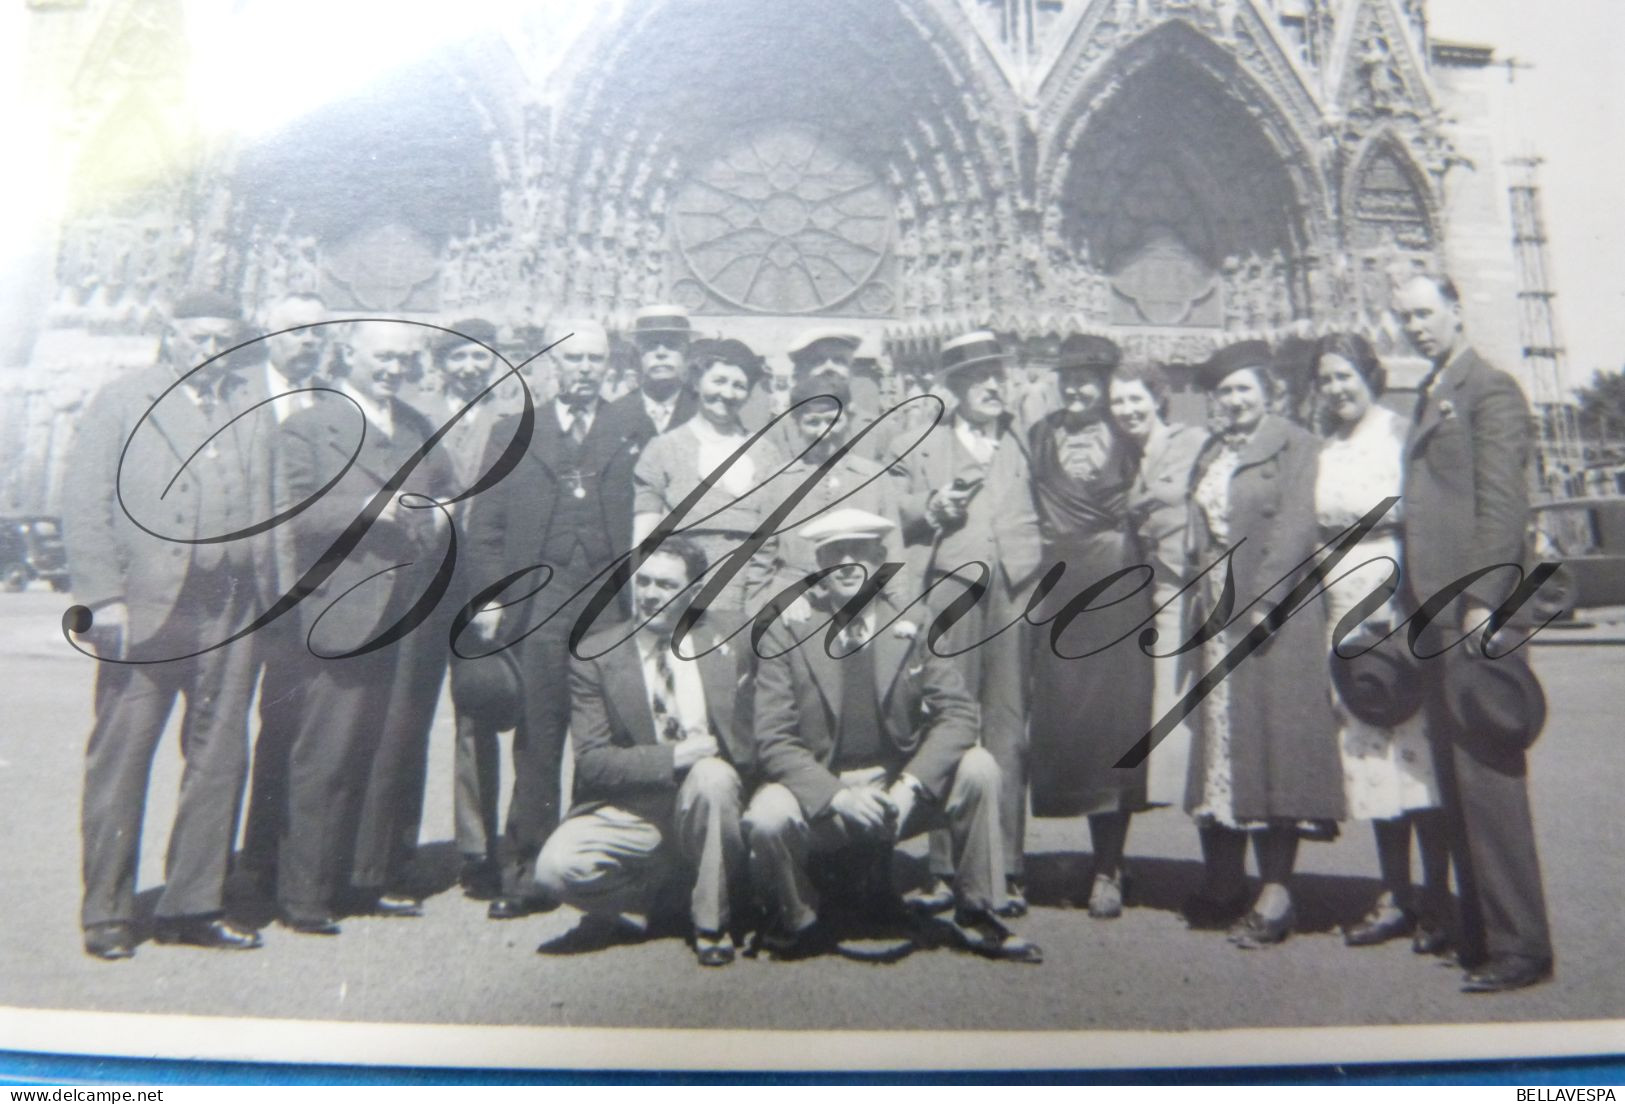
column 155, row 467
column 568, row 506
column 661, row 753
column 966, row 499
column 871, row 737
column 1466, row 503
column 337, row 458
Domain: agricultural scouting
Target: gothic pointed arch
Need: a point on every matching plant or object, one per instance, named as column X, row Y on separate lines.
column 848, row 162
column 1378, row 70
column 1179, row 199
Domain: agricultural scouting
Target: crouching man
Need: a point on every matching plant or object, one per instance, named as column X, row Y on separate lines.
column 873, row 738
column 657, row 776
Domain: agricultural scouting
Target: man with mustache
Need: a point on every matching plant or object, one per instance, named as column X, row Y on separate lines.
column 566, row 508
column 663, row 399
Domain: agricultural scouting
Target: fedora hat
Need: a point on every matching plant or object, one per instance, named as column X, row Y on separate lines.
column 1497, row 704
column 969, row 350
column 661, row 319
column 1382, row 685
column 487, row 689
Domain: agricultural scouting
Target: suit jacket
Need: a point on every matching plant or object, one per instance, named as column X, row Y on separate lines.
column 135, row 455
column 510, row 524
column 312, row 447
column 631, row 405
column 1001, row 526
column 619, row 759
column 1158, row 498
column 1466, row 488
column 927, row 712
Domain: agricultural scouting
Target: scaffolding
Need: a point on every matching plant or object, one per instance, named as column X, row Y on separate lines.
column 1560, row 451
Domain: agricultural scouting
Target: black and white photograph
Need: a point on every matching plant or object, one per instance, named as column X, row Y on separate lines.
column 850, row 534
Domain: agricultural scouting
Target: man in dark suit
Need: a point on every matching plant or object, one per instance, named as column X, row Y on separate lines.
column 358, row 441
column 1466, row 503
column 568, row 506
column 663, row 399
column 869, row 738
column 660, row 749
column 293, row 362
column 156, row 466
column 967, row 499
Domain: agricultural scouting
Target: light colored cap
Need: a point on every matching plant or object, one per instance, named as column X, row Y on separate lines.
column 845, row 524
column 806, row 339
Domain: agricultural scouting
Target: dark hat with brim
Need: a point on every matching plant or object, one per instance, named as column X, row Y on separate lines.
column 1233, row 358
column 726, row 350
column 463, row 332
column 1495, row 703
column 661, row 320
column 1089, row 351
column 1382, row 685
column 976, row 349
column 487, row 689
column 206, row 304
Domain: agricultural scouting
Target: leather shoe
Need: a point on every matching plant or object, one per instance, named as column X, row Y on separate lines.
column 516, row 908
column 397, row 904
column 479, row 878
column 981, row 933
column 310, row 925
column 713, row 948
column 1379, row 926
column 935, row 898
column 1106, row 897
column 1015, row 899
column 808, row 942
column 594, row 932
column 215, row 934
column 1431, row 938
column 1502, row 974
column 1255, row 930
column 111, row 941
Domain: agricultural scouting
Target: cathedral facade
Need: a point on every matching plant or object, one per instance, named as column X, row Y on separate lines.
column 1171, row 173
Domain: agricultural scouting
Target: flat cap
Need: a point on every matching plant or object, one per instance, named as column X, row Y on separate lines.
column 847, row 524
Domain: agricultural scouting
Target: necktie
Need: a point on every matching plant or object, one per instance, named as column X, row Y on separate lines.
column 668, row 724
column 578, row 426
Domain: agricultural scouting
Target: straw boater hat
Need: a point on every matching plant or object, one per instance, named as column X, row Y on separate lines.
column 970, row 350
column 663, row 319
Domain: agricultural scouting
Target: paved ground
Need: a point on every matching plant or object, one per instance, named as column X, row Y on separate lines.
column 1143, row 971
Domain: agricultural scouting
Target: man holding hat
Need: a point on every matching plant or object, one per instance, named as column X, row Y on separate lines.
column 1466, row 509
column 863, row 733
column 663, row 399
column 967, row 500
column 156, row 466
column 566, row 505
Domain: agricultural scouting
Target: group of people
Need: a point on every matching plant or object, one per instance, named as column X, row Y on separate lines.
column 777, row 649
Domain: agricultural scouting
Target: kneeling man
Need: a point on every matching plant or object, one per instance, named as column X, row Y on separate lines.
column 870, row 738
column 657, row 773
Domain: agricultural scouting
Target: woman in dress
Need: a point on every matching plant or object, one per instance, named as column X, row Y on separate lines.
column 1088, row 709
column 1158, row 505
column 726, row 517
column 1387, row 772
column 1264, row 756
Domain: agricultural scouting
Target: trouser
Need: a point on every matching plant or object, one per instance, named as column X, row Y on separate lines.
column 614, row 861
column 1484, row 795
column 995, row 674
column 329, row 763
column 278, row 647
column 782, row 840
column 132, row 705
column 476, row 781
column 392, row 805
